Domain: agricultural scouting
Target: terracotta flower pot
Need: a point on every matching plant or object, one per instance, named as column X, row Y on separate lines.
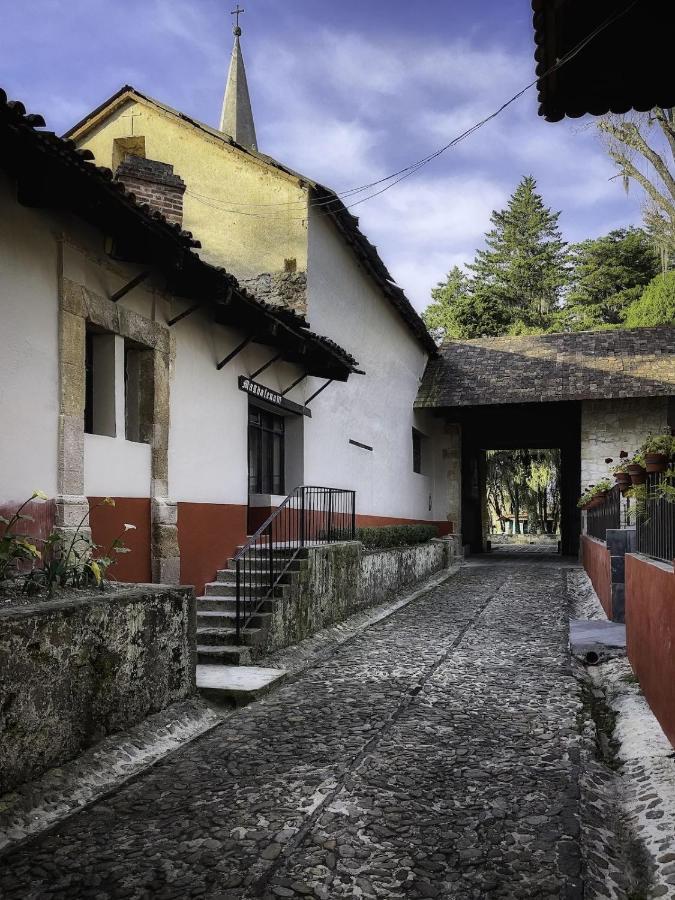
column 622, row 479
column 598, row 500
column 656, row 462
column 638, row 475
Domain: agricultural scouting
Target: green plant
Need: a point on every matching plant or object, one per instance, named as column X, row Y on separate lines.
column 593, row 490
column 637, row 459
column 659, row 443
column 395, row 535
column 16, row 547
column 640, row 495
column 664, row 489
column 74, row 563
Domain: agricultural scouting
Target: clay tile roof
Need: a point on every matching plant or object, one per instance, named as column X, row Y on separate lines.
column 90, row 192
column 331, row 205
column 638, row 362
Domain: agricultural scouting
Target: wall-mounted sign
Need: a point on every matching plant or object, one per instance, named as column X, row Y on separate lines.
column 267, row 395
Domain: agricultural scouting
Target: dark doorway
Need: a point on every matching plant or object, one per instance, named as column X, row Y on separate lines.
column 511, row 427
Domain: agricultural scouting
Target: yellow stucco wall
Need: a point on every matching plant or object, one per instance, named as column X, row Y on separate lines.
column 245, row 239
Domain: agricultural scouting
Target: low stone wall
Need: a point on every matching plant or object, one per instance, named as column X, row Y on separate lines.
column 336, row 580
column 72, row 671
column 596, row 561
column 650, row 634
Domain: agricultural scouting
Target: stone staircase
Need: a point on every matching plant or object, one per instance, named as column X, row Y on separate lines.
column 216, row 616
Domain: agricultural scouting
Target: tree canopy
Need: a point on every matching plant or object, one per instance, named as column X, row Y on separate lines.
column 607, row 275
column 515, row 281
column 656, row 306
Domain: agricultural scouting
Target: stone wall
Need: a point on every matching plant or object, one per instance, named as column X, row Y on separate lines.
column 72, row 671
column 286, row 289
column 336, row 580
column 609, row 426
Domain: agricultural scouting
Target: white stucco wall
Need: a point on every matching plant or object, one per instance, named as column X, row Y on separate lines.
column 208, row 443
column 610, row 426
column 29, row 357
column 376, row 409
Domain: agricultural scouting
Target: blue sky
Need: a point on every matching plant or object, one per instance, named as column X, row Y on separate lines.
column 346, row 93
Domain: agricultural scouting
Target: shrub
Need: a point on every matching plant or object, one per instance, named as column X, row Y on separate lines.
column 656, row 306
column 395, row 535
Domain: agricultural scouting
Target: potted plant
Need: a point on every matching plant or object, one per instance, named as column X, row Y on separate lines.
column 658, row 450
column 636, row 468
column 619, row 472
column 600, row 491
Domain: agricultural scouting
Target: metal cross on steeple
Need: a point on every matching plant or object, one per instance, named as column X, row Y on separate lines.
column 237, row 12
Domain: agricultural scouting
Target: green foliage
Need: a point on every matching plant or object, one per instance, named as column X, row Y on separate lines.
column 72, row 563
column 395, row 535
column 608, row 274
column 521, row 272
column 518, row 480
column 593, row 490
column 656, row 306
column 444, row 315
column 15, row 547
column 659, row 443
column 515, row 282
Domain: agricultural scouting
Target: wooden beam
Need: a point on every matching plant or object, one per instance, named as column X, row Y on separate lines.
column 123, row 291
column 187, row 312
column 316, row 393
column 235, row 352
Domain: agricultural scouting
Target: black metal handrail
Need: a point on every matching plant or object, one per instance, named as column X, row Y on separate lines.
column 607, row 515
column 308, row 517
column 655, row 521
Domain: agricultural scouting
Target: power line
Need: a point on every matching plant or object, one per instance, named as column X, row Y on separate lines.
column 395, row 178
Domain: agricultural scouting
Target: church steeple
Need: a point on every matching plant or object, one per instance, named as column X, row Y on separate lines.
column 236, row 118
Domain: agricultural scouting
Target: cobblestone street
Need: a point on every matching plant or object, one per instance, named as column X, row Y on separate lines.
column 434, row 755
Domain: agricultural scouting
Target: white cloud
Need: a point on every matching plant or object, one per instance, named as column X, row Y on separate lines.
column 347, row 110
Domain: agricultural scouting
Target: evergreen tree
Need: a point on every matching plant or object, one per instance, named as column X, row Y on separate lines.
column 521, row 273
column 608, row 274
column 440, row 316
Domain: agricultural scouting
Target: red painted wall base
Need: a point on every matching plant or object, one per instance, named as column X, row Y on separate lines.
column 596, row 561
column 650, row 634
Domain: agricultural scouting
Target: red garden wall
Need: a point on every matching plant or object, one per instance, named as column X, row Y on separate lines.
column 596, row 561
column 650, row 634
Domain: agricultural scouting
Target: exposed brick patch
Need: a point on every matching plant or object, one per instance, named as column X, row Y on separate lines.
column 154, row 183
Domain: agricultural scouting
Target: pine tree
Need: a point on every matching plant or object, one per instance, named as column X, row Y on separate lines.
column 447, row 298
column 609, row 273
column 521, row 273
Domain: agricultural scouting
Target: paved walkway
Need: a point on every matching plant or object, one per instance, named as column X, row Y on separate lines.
column 432, row 756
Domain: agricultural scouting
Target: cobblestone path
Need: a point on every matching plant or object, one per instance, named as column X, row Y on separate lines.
column 434, row 755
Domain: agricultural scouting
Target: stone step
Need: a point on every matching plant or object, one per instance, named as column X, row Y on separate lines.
column 215, row 603
column 223, row 654
column 239, row 683
column 226, row 618
column 218, row 636
column 225, row 589
column 258, row 565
